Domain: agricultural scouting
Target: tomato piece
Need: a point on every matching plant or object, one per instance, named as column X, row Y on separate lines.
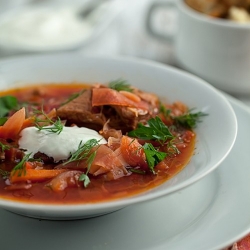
column 133, row 153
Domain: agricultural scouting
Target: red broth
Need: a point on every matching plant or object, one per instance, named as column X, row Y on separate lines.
column 99, row 190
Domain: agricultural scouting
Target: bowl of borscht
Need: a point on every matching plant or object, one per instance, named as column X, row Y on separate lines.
column 86, row 135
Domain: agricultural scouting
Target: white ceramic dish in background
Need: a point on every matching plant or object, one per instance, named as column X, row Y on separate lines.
column 209, row 215
column 214, row 49
column 215, row 135
column 49, row 27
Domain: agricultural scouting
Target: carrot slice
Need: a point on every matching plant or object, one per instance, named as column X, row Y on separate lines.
column 13, row 126
column 28, row 122
column 34, row 175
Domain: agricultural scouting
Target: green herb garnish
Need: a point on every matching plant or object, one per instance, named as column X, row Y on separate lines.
column 3, row 120
column 7, row 103
column 55, row 126
column 4, row 147
column 84, row 177
column 84, row 153
column 72, row 97
column 136, row 170
column 189, row 119
column 153, row 156
column 166, row 112
column 20, row 167
column 120, row 85
column 155, row 130
column 171, row 148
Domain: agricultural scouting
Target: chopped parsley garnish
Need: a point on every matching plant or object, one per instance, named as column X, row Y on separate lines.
column 7, row 103
column 3, row 120
column 155, row 130
column 120, row 85
column 153, row 156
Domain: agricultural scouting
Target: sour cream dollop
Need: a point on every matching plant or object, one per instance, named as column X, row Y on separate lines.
column 59, row 146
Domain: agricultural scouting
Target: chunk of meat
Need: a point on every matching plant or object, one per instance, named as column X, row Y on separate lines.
column 124, row 112
column 130, row 117
column 43, row 157
column 79, row 111
column 107, row 96
column 129, row 109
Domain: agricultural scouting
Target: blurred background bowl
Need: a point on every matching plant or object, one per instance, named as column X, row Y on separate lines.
column 52, row 26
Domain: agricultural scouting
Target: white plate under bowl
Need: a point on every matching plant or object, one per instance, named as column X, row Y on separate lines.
column 215, row 135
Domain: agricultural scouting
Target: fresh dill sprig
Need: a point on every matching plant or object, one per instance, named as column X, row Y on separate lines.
column 72, row 97
column 155, row 130
column 4, row 147
column 51, row 126
column 56, row 127
column 120, row 85
column 84, row 153
column 20, row 167
column 85, row 177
